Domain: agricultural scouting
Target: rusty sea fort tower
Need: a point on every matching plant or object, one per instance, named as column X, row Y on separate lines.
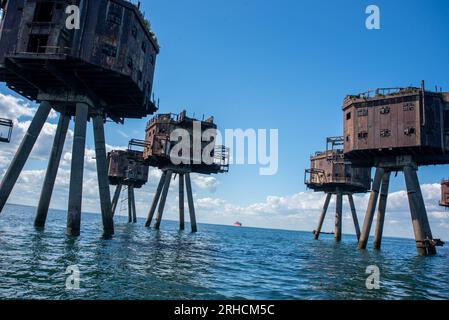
column 332, row 174
column 157, row 152
column 103, row 70
column 392, row 130
column 127, row 169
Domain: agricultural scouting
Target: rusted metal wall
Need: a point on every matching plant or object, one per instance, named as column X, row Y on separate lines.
column 330, row 169
column 9, row 30
column 127, row 168
column 117, row 25
column 59, row 38
column 158, row 147
column 111, row 58
column 444, row 193
column 161, row 127
column 397, row 123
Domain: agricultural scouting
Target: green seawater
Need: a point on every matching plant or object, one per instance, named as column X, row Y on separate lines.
column 218, row 262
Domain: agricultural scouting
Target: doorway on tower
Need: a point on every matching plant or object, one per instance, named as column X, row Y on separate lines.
column 37, row 43
column 44, row 11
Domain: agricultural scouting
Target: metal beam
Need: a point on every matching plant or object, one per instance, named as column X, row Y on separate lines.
column 156, row 200
column 23, row 152
column 418, row 213
column 102, row 173
column 423, row 214
column 381, row 211
column 160, row 210
column 191, row 204
column 76, row 173
column 116, row 198
column 354, row 216
column 133, row 204
column 52, row 170
column 366, row 229
column 338, row 216
column 181, row 202
column 130, row 207
column 323, row 216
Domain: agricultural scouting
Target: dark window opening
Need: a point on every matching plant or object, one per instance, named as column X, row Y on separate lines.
column 130, row 62
column 362, row 112
column 134, row 32
column 385, row 133
column 348, row 116
column 363, row 135
column 109, row 50
column 409, row 106
column 37, row 43
column 115, row 17
column 385, row 110
column 348, row 138
column 44, row 11
column 409, row 131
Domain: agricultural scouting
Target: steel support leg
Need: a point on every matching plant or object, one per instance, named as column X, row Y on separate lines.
column 338, row 216
column 364, row 236
column 354, row 216
column 52, row 170
column 156, row 200
column 191, row 204
column 418, row 212
column 381, row 211
column 181, row 202
column 102, row 173
column 423, row 216
column 23, row 152
column 323, row 216
column 160, row 211
column 116, row 198
column 133, row 204
column 77, row 168
column 130, row 206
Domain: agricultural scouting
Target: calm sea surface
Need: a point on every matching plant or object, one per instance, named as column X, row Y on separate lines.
column 217, row 263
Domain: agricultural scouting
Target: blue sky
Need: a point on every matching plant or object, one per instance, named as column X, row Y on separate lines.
column 288, row 65
column 285, row 65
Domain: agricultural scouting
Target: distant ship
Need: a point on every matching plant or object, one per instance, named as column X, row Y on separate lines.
column 322, row 232
column 237, row 224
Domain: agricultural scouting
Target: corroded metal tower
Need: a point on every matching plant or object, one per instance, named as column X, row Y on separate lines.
column 103, row 69
column 179, row 145
column 127, row 168
column 444, row 202
column 6, row 126
column 395, row 130
column 332, row 174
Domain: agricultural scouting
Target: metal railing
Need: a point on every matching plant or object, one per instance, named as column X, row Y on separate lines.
column 314, row 176
column 221, row 158
column 8, row 124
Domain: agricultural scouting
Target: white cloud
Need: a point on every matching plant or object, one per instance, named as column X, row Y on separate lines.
column 205, row 182
column 14, row 108
column 297, row 211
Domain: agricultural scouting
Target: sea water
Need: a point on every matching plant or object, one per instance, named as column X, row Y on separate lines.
column 218, row 262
